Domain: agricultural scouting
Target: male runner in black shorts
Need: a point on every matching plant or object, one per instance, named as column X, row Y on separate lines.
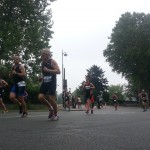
column 50, row 69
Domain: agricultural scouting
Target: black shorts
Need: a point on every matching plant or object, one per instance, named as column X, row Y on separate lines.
column 48, row 88
column 87, row 96
column 145, row 101
column 1, row 94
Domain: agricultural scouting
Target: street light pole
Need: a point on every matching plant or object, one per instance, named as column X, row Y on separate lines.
column 62, row 72
column 63, row 54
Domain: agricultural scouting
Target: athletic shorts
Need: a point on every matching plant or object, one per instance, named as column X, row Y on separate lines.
column 19, row 91
column 48, row 88
column 87, row 97
column 144, row 101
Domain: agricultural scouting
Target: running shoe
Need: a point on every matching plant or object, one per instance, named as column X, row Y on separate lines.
column 87, row 112
column 51, row 113
column 5, row 111
column 54, row 118
column 24, row 114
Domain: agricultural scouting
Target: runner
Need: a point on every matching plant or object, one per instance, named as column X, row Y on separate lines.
column 17, row 92
column 88, row 87
column 115, row 100
column 50, row 69
column 144, row 99
column 3, row 84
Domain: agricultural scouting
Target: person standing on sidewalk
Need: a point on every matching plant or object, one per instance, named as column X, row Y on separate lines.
column 79, row 103
column 88, row 88
column 18, row 74
column 50, row 69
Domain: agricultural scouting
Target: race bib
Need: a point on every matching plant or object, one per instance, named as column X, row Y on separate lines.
column 21, row 83
column 47, row 79
column 87, row 87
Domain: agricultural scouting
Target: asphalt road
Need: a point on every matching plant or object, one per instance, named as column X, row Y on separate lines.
column 127, row 128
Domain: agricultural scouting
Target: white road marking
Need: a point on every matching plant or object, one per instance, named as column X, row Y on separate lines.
column 9, row 117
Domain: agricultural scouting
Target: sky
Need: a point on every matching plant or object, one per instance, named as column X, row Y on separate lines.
column 81, row 29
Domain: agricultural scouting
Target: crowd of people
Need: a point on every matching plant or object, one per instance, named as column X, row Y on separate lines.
column 18, row 92
column 90, row 101
column 50, row 69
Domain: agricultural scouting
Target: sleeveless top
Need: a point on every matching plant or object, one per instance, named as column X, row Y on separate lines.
column 143, row 95
column 15, row 76
column 114, row 97
column 47, row 76
column 87, row 89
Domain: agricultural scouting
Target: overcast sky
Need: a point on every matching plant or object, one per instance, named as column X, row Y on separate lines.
column 82, row 28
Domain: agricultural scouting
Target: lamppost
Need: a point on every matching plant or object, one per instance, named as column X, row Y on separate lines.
column 63, row 54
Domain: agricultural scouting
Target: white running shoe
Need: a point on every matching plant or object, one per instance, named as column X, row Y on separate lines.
column 5, row 111
column 54, row 118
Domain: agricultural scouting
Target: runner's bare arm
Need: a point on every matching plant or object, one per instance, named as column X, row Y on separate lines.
column 92, row 86
column 55, row 70
column 22, row 71
column 4, row 83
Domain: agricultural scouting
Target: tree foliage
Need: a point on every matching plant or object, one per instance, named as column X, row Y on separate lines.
column 128, row 52
column 25, row 28
column 96, row 75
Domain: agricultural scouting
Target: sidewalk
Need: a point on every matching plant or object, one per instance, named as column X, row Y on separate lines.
column 60, row 107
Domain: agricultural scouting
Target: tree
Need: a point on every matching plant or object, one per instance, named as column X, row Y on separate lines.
column 128, row 52
column 97, row 78
column 25, row 28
